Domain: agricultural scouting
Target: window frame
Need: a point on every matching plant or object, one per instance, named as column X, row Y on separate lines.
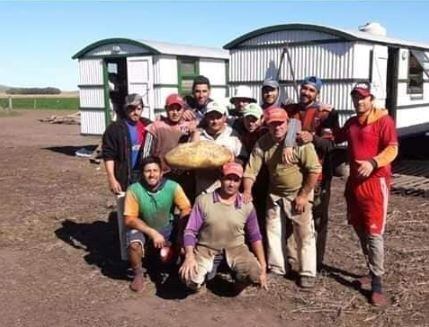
column 415, row 90
column 181, row 76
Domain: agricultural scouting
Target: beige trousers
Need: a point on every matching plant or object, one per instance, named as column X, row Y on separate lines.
column 241, row 261
column 281, row 240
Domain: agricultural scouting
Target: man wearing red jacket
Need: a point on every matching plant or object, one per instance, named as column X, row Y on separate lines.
column 372, row 146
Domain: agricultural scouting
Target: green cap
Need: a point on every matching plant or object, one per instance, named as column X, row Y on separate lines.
column 252, row 109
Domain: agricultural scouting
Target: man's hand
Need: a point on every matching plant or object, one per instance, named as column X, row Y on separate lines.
column 247, row 197
column 304, row 137
column 158, row 239
column 365, row 168
column 189, row 115
column 188, row 268
column 114, row 186
column 287, row 157
column 299, row 203
column 263, row 280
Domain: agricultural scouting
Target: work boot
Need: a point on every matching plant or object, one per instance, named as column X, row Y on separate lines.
column 378, row 299
column 307, row 281
column 137, row 285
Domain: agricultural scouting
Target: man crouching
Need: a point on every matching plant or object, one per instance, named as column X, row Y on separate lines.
column 221, row 223
column 149, row 206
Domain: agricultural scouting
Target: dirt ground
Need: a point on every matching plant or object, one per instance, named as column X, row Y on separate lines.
column 59, row 257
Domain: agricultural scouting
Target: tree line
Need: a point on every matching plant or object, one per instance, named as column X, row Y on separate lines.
column 33, row 90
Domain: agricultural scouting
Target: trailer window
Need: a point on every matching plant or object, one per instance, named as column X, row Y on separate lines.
column 187, row 71
column 415, row 75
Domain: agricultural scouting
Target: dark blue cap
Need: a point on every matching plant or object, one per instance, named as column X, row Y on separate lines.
column 314, row 81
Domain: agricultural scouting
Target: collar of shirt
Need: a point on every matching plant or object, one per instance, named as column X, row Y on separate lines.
column 238, row 200
column 226, row 130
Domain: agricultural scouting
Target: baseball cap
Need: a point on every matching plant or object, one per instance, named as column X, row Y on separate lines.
column 363, row 89
column 232, row 168
column 133, row 100
column 216, row 106
column 271, row 83
column 252, row 109
column 313, row 81
column 174, row 98
column 275, row 114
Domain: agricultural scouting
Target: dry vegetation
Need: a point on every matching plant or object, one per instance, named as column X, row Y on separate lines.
column 60, row 263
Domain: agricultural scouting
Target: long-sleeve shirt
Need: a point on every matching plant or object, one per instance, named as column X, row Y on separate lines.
column 285, row 180
column 217, row 225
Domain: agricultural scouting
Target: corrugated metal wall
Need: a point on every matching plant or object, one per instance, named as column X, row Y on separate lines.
column 91, row 95
column 90, row 72
column 287, row 36
column 92, row 122
column 330, row 61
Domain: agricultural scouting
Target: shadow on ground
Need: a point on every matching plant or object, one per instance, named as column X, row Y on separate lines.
column 345, row 278
column 100, row 240
column 70, row 150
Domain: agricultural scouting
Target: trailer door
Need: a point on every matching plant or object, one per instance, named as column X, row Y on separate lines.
column 140, row 80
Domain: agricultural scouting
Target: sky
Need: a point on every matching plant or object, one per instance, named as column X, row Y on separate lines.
column 38, row 38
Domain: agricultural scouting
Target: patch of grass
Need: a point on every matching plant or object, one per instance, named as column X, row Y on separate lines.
column 41, row 103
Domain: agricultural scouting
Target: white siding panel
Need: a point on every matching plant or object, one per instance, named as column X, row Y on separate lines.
column 403, row 64
column 280, row 37
column 328, row 61
column 254, row 64
column 140, row 81
column 379, row 72
column 362, row 60
column 405, row 99
column 215, row 70
column 218, row 93
column 92, row 122
column 165, row 70
column 92, row 97
column 415, row 116
column 91, row 72
column 161, row 94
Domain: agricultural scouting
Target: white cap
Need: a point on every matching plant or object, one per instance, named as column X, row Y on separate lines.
column 243, row 92
column 216, row 106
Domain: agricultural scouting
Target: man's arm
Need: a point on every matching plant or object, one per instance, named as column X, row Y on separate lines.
column 110, row 149
column 254, row 237
column 192, row 229
column 251, row 171
column 114, row 185
column 310, row 164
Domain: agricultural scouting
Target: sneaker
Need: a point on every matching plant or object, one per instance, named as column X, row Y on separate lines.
column 363, row 282
column 378, row 299
column 307, row 281
column 137, row 285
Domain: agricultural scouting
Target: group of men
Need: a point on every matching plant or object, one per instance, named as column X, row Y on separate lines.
column 264, row 212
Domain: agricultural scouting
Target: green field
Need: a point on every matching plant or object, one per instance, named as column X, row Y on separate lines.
column 66, row 103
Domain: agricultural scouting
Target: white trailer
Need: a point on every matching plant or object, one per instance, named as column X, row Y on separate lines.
column 121, row 66
column 398, row 70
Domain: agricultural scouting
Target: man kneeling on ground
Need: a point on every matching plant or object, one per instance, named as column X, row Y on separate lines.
column 149, row 206
column 221, row 223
